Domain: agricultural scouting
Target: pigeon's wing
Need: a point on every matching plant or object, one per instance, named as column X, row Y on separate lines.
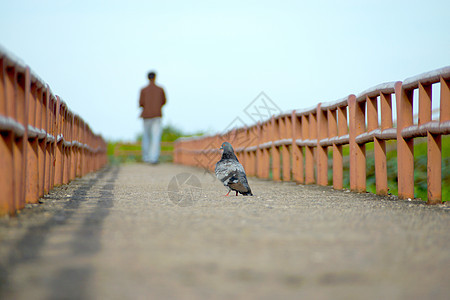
column 232, row 174
column 228, row 169
column 239, row 182
column 239, row 186
column 224, row 171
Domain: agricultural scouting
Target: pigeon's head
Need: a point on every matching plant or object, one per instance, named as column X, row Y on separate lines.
column 226, row 147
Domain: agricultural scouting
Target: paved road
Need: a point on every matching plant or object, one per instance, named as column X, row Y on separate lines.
column 119, row 234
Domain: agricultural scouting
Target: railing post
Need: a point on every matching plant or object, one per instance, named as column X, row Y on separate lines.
column 405, row 147
column 22, row 88
column 445, row 100
column 181, row 155
column 338, row 157
column 78, row 149
column 322, row 151
column 433, row 146
column 180, row 150
column 265, row 151
column 58, row 144
column 386, row 123
column 297, row 153
column 256, row 152
column 67, row 149
column 73, row 160
column 434, row 151
column 51, row 143
column 245, row 154
column 83, row 150
column 241, row 138
column 285, row 152
column 46, row 126
column 41, row 117
column 176, row 154
column 275, row 149
column 252, row 154
column 379, row 146
column 259, row 151
column 337, row 163
column 32, row 174
column 357, row 152
column 89, row 141
column 308, row 128
column 7, row 145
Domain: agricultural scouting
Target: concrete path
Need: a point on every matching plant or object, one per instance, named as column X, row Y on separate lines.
column 120, row 234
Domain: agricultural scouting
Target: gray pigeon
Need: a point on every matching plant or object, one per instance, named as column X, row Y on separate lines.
column 231, row 172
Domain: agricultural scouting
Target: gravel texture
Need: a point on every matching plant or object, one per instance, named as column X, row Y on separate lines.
column 135, row 231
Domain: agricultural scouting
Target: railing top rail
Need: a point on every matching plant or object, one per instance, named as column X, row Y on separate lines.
column 385, row 88
column 193, row 138
column 62, row 103
column 335, row 104
column 14, row 61
column 305, row 111
column 426, row 78
column 283, row 114
column 38, row 81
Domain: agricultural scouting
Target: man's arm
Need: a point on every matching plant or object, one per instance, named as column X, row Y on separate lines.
column 163, row 97
column 141, row 99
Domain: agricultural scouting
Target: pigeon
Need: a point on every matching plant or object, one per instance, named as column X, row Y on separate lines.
column 231, row 172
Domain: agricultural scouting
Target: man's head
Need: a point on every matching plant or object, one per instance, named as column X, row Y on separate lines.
column 151, row 76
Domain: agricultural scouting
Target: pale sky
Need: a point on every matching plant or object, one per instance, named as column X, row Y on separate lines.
column 213, row 58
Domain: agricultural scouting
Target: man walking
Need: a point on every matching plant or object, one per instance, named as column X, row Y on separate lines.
column 152, row 99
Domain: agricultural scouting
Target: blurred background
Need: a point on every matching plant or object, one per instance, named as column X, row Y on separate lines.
column 214, row 58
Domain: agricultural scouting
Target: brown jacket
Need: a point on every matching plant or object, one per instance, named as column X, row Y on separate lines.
column 152, row 99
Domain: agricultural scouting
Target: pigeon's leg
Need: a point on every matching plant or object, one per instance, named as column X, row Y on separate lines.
column 236, row 193
column 228, row 193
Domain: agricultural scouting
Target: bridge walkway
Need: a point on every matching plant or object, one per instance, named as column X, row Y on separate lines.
column 136, row 231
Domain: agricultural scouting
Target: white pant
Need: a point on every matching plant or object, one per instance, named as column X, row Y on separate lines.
column 151, row 140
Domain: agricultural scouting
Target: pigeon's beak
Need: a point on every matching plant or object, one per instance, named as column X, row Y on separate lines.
column 221, row 148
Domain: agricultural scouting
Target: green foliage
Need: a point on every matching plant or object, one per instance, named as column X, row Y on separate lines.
column 169, row 134
column 110, row 148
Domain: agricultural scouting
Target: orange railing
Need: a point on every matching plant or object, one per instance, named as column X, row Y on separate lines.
column 294, row 145
column 43, row 144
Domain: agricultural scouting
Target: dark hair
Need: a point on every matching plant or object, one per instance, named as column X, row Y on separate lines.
column 151, row 75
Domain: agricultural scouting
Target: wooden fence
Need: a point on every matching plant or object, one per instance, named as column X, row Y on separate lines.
column 42, row 143
column 294, row 146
